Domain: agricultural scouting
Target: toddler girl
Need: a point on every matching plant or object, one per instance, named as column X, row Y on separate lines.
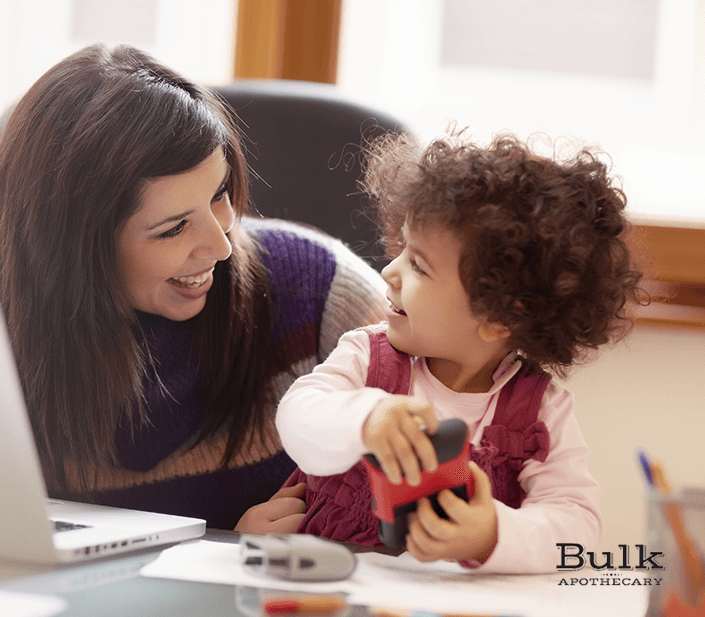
column 508, row 266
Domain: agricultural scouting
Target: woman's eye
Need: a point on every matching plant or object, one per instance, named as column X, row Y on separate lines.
column 220, row 194
column 174, row 231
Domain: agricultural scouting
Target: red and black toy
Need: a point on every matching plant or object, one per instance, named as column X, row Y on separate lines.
column 393, row 502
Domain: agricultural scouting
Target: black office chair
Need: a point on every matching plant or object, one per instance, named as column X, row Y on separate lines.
column 302, row 143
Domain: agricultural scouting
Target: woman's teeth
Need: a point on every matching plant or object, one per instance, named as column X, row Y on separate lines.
column 192, row 282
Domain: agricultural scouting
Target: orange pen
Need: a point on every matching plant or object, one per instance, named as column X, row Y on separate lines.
column 686, row 544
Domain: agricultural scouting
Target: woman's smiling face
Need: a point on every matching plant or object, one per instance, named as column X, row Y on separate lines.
column 168, row 249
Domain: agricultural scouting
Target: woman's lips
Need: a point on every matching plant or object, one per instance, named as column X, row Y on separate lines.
column 192, row 281
column 192, row 287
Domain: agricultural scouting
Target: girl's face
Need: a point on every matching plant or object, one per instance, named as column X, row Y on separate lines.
column 429, row 313
column 168, row 249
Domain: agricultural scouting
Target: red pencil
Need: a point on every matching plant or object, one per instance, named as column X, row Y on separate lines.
column 303, row 604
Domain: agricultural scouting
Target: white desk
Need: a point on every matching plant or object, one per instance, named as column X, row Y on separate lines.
column 114, row 587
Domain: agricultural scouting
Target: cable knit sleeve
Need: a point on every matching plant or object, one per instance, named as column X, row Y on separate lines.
column 308, row 267
column 356, row 298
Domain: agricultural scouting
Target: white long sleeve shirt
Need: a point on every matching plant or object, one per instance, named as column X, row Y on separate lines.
column 320, row 422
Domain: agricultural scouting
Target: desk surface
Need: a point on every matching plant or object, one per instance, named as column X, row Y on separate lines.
column 113, row 587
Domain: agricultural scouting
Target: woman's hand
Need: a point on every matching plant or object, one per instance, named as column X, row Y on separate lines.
column 392, row 433
column 470, row 532
column 282, row 513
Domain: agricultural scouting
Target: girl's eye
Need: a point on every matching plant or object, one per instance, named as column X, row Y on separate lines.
column 415, row 266
column 174, row 231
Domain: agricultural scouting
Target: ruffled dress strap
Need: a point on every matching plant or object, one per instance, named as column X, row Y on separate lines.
column 515, row 434
column 388, row 369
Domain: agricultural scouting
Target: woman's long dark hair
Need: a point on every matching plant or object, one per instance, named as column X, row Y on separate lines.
column 74, row 158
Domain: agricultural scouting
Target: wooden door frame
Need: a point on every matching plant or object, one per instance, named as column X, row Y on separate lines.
column 287, row 39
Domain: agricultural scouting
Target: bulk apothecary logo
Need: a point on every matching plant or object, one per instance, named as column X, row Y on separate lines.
column 611, row 569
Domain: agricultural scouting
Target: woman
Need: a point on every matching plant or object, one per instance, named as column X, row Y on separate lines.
column 154, row 328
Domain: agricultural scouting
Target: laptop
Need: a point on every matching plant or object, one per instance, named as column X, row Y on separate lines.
column 37, row 529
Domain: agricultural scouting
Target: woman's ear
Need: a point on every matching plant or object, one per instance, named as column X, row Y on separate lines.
column 493, row 331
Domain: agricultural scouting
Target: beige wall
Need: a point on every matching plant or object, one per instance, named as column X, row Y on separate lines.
column 648, row 392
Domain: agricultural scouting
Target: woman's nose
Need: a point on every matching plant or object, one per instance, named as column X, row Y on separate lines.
column 215, row 243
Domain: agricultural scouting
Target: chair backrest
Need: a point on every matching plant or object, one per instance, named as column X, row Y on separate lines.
column 303, row 144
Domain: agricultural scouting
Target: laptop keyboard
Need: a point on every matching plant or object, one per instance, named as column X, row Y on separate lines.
column 66, row 526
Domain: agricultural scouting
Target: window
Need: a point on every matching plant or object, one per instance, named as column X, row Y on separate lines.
column 621, row 74
column 193, row 36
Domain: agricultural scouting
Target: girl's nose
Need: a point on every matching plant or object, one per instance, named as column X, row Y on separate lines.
column 390, row 273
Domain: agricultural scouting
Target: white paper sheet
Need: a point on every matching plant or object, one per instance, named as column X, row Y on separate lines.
column 404, row 583
column 14, row 604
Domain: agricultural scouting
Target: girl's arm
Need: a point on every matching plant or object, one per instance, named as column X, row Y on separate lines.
column 320, row 418
column 561, row 503
column 329, row 419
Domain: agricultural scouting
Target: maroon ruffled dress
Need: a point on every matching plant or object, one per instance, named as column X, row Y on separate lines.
column 339, row 506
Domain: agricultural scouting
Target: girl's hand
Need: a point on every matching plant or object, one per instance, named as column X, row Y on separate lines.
column 392, row 433
column 470, row 532
column 282, row 513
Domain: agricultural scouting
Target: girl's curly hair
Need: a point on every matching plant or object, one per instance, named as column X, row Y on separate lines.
column 544, row 239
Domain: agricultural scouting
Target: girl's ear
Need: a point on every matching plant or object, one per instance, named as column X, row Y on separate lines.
column 493, row 331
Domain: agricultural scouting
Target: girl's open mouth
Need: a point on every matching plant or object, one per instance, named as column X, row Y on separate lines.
column 396, row 310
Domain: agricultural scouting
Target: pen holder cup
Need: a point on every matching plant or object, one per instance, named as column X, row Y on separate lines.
column 676, row 528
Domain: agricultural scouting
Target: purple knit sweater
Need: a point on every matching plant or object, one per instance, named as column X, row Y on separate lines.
column 319, row 290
